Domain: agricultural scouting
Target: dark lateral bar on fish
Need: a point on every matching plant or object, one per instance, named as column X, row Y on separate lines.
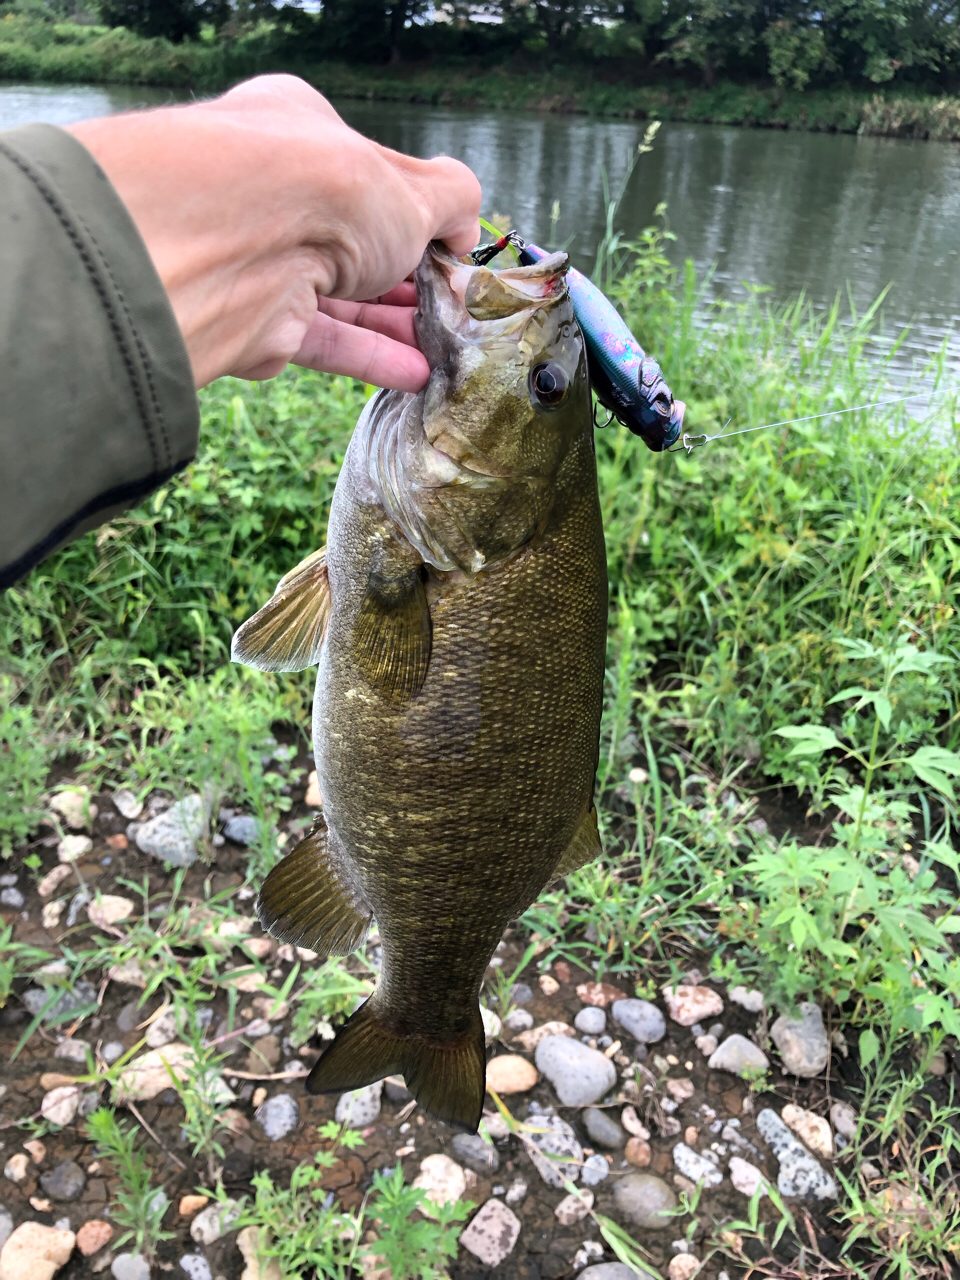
column 627, row 382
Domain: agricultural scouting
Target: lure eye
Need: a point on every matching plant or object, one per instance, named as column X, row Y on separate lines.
column 549, row 384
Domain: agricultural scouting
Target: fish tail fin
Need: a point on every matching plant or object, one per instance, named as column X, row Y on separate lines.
column 447, row 1077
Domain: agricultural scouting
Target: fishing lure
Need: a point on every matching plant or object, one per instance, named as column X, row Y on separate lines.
column 627, row 382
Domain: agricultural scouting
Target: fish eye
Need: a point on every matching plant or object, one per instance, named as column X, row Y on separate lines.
column 549, row 384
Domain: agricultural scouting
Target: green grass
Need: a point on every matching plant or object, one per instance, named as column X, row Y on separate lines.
column 32, row 50
column 799, row 579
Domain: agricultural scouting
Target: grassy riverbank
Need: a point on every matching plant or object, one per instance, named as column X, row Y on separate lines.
column 65, row 53
column 802, row 579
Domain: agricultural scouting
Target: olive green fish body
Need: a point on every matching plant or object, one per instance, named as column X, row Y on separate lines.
column 458, row 698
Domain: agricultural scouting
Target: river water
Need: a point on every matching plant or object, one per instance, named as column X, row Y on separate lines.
column 793, row 212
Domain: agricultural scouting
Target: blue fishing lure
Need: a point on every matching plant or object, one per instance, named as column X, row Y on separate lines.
column 627, row 382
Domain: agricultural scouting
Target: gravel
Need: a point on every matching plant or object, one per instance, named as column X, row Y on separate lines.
column 640, row 1019
column 65, row 1182
column 556, row 1139
column 214, row 1221
column 83, row 993
column 130, row 1266
column 802, row 1041
column 279, row 1116
column 6, row 1226
column 594, row 1170
column 241, row 830
column 591, row 1021
column 738, row 1054
column 579, row 1074
column 696, row 1167
column 800, row 1174
column 603, row 1129
column 172, row 835
column 492, row 1233
column 644, row 1200
column 476, row 1154
column 361, row 1107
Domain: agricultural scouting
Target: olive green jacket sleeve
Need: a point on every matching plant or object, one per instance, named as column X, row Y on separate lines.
column 97, row 404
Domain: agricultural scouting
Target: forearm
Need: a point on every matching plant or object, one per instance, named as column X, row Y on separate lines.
column 97, row 404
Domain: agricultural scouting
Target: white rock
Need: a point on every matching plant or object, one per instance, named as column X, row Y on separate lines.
column 130, row 1266
column 59, row 1106
column 162, row 1030
column 247, row 1243
column 15, row 1170
column 128, row 974
column 196, row 1266
column 633, row 1124
column 591, row 1020
column 127, row 804
column 51, row 913
column 518, row 1020
column 682, row 1266
column 492, row 1233
column 844, row 1119
column 361, row 1107
column 737, row 1055
column 706, row 1044
column 517, row 1191
column 108, row 909
column 748, row 999
column 172, row 836
column 491, row 1024
column 746, row 1177
column 554, row 1138
column 11, row 898
column 688, row 1004
column 35, row 1252
column 72, row 848
column 800, row 1174
column 70, row 1050
column 595, row 1169
column 214, row 1221
column 278, row 1116
column 811, row 1129
column 6, row 1226
column 573, row 1208
column 441, row 1179
column 695, row 1166
column 640, row 1019
column 75, row 807
column 802, row 1041
column 530, row 1039
column 52, row 881
column 151, row 1073
column 580, row 1075
column 681, row 1088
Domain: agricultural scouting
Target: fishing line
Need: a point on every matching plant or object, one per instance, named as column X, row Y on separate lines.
column 690, row 442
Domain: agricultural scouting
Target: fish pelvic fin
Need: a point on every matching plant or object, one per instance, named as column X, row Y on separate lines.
column 447, row 1077
column 307, row 899
column 287, row 633
column 583, row 848
column 392, row 636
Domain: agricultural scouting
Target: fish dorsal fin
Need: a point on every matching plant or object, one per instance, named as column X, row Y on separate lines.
column 307, row 900
column 583, row 848
column 392, row 634
column 287, row 633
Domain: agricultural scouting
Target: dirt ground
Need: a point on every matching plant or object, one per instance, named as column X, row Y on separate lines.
column 545, row 1249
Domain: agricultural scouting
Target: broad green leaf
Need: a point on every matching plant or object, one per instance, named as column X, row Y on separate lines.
column 854, row 691
column 949, row 924
column 933, row 765
column 869, row 1047
column 811, row 739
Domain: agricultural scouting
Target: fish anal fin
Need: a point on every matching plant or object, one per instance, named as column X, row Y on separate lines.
column 308, row 901
column 392, row 634
column 583, row 848
column 447, row 1077
column 287, row 633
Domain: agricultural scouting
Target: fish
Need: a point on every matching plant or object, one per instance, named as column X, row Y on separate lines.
column 627, row 381
column 458, row 618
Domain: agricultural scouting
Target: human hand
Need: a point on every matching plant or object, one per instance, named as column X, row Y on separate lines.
column 280, row 233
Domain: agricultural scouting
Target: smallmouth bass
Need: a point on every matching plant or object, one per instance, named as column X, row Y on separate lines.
column 458, row 616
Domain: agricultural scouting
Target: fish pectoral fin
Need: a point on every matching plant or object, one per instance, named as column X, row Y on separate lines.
column 583, row 848
column 392, row 634
column 307, row 900
column 447, row 1077
column 287, row 633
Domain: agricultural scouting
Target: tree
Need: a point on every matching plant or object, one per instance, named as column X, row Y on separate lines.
column 176, row 20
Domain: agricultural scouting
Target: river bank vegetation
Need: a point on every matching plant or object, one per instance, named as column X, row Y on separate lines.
column 781, row 739
column 891, row 70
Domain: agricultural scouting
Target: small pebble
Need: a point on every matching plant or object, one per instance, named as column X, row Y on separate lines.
column 196, row 1266
column 475, row 1153
column 130, row 1266
column 689, row 1004
column 580, row 1075
column 680, row 1089
column 111, row 1051
column 189, row 1205
column 65, row 1182
column 573, row 1208
column 746, row 1177
column 812, row 1130
column 594, row 1170
column 11, row 898
column 645, row 1200
column 800, row 1174
column 802, row 1041
column 59, row 1106
column 518, row 1020
column 682, row 1266
column 71, row 1050
column 517, row 1191
column 72, row 848
column 737, row 1055
column 213, row 1222
column 844, row 1119
column 633, row 1124
column 93, row 1236
column 706, row 1044
column 640, row 1019
column 591, row 1020
column 279, row 1116
column 549, row 985
column 492, row 1233
column 750, row 1000
column 637, row 1152
column 696, row 1167
column 508, row 1074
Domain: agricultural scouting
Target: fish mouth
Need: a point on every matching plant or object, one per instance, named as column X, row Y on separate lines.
column 454, row 298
